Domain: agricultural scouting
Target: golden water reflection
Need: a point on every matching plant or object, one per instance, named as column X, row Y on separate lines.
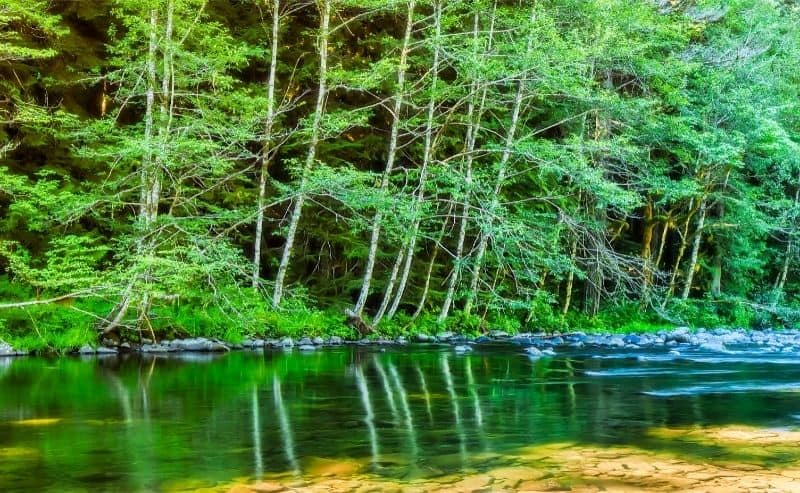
column 740, row 459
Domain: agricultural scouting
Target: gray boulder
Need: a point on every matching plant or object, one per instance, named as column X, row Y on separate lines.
column 86, row 349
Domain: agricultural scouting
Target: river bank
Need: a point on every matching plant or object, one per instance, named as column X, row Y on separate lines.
column 534, row 344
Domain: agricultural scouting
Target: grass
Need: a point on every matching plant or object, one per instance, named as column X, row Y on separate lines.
column 64, row 327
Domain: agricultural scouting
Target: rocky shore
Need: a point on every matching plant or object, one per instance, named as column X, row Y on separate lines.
column 534, row 344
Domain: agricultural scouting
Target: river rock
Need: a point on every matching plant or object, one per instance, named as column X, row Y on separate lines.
column 307, row 347
column 483, row 339
column 423, row 338
column 458, row 339
column 305, row 341
column 444, row 336
column 6, row 350
column 318, row 341
column 680, row 335
column 106, row 350
column 632, row 339
column 86, row 349
column 335, row 341
column 286, row 342
column 401, row 340
column 615, row 342
column 548, row 352
column 153, row 348
column 533, row 352
column 462, row 348
column 253, row 343
column 498, row 334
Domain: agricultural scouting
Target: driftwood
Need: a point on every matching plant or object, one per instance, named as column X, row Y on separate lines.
column 354, row 320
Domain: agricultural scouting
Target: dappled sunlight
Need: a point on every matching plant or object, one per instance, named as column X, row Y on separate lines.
column 37, row 422
column 568, row 466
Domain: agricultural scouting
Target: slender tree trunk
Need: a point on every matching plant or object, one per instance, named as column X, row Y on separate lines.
column 647, row 251
column 780, row 281
column 681, row 251
column 474, row 119
column 411, row 243
column 495, row 202
column 266, row 146
column 573, row 252
column 387, row 297
column 426, row 288
column 325, row 14
column 390, row 158
column 662, row 242
column 698, row 235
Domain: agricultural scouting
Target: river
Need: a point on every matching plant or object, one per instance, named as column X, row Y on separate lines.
column 419, row 417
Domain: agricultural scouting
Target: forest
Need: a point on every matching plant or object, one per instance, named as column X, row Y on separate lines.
column 233, row 167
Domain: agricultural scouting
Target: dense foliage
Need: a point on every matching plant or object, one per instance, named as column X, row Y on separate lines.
column 223, row 167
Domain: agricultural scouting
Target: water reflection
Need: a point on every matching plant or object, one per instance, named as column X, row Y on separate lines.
column 369, row 419
column 133, row 424
column 286, row 428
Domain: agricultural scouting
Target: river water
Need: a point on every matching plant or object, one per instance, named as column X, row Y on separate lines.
column 401, row 418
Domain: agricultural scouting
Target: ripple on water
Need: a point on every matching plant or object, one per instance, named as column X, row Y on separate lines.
column 726, row 388
column 645, row 372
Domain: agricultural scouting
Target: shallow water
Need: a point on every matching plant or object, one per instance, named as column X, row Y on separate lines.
column 403, row 417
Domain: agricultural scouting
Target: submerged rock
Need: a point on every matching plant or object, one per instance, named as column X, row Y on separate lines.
column 307, row 347
column 532, row 351
column 714, row 346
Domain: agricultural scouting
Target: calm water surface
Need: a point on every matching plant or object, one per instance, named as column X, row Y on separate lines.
column 182, row 422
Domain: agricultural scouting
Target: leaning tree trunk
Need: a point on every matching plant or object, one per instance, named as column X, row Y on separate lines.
column 698, row 235
column 780, row 281
column 495, row 201
column 474, row 123
column 390, row 158
column 411, row 243
column 647, row 251
column 681, row 252
column 266, row 145
column 297, row 210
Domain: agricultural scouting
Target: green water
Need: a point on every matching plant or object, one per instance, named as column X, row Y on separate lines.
column 149, row 424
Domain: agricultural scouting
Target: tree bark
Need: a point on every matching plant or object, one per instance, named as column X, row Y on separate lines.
column 266, row 145
column 297, row 210
column 474, row 118
column 647, row 251
column 390, row 158
column 411, row 243
column 681, row 251
column 501, row 176
column 698, row 235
